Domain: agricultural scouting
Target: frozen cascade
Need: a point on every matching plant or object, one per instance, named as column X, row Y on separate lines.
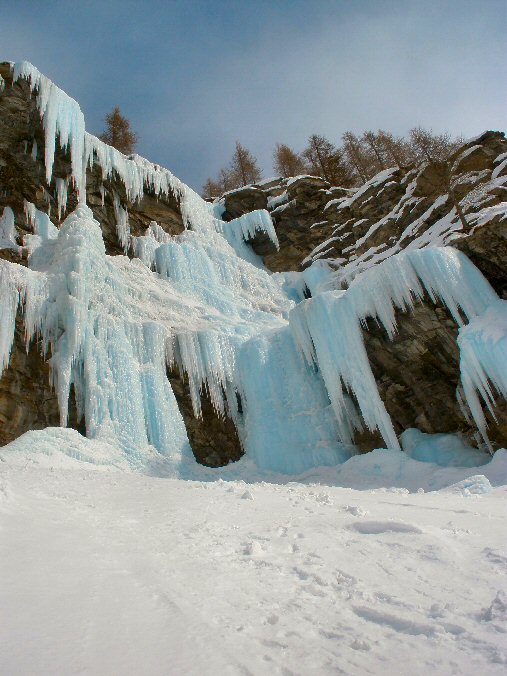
column 61, row 117
column 78, row 302
column 144, row 246
column 289, row 422
column 211, row 310
column 483, row 360
column 113, row 325
column 328, row 327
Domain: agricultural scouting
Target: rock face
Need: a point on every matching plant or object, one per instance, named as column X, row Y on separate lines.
column 22, row 176
column 460, row 202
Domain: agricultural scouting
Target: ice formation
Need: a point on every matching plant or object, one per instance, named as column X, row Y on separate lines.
column 7, row 230
column 292, row 373
column 328, row 326
column 483, row 364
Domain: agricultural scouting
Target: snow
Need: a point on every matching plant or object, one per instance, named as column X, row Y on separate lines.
column 377, row 180
column 277, row 200
column 296, row 179
column 107, row 571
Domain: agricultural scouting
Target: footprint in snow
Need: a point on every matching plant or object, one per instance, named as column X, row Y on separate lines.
column 253, row 548
column 378, row 527
column 355, row 510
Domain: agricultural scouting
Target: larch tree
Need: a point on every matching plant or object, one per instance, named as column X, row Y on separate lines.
column 211, row 189
column 358, row 157
column 118, row 132
column 326, row 160
column 244, row 165
column 286, row 162
column 396, row 149
column 372, row 142
column 432, row 147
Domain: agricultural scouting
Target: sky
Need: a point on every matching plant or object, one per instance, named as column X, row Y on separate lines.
column 193, row 76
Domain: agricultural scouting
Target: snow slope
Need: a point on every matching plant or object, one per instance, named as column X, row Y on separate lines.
column 110, row 572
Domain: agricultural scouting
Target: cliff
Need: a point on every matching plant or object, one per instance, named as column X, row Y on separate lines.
column 235, row 325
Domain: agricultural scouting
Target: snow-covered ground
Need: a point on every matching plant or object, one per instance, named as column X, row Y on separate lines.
column 114, row 572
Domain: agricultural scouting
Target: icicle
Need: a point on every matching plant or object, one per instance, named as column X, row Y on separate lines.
column 9, row 300
column 2, row 84
column 47, row 198
column 247, row 225
column 30, row 212
column 122, row 223
column 328, row 327
column 8, row 230
column 34, row 150
column 62, row 117
column 62, row 185
column 483, row 361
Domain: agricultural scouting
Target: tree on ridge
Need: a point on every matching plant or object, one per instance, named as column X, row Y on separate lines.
column 118, row 132
column 286, row 162
column 326, row 160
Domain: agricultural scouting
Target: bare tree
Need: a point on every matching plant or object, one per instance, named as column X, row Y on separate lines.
column 326, row 160
column 228, row 180
column 286, row 162
column 432, row 147
column 396, row 149
column 358, row 156
column 372, row 142
column 118, row 132
column 211, row 189
column 244, row 165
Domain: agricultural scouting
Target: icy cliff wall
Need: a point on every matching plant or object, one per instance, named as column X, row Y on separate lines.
column 193, row 302
column 347, row 232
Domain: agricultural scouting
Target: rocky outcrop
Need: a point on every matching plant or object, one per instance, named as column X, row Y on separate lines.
column 214, row 439
column 22, row 176
column 400, row 207
column 461, row 202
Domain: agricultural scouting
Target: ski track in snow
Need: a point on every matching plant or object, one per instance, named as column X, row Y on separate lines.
column 118, row 573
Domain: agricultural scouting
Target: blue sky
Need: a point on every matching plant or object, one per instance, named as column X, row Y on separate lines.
column 194, row 76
